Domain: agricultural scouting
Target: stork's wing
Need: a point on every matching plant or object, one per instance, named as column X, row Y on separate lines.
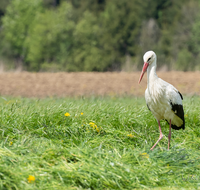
column 173, row 95
column 175, row 99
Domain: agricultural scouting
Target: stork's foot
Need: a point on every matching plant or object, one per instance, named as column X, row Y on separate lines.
column 161, row 136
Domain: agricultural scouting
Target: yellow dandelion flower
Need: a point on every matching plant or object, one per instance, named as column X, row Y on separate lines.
column 81, row 113
column 186, row 115
column 31, row 179
column 94, row 126
column 11, row 143
column 67, row 114
column 145, row 155
column 91, row 123
column 130, row 135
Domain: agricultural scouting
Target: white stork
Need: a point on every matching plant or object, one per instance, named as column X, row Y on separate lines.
column 162, row 98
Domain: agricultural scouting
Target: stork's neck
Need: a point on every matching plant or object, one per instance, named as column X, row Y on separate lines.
column 151, row 73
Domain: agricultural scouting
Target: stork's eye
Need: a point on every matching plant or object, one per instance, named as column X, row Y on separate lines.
column 149, row 59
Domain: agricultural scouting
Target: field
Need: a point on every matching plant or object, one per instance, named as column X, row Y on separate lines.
column 88, row 84
column 95, row 142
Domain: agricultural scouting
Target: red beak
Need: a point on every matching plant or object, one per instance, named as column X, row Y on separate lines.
column 144, row 69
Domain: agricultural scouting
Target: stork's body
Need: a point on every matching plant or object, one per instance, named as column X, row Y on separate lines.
column 162, row 98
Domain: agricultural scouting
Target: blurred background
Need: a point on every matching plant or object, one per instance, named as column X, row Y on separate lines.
column 98, row 35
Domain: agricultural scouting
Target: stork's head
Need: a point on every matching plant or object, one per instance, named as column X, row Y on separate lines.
column 149, row 57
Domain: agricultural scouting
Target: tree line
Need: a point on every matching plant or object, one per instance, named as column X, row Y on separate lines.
column 99, row 35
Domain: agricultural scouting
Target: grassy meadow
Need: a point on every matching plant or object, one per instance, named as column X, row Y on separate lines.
column 95, row 143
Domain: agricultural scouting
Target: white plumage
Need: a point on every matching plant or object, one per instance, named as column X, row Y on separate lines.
column 162, row 98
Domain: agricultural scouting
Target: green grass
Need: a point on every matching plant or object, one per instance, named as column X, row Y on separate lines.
column 62, row 152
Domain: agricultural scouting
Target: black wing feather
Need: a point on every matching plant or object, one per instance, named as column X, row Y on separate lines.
column 178, row 110
column 180, row 95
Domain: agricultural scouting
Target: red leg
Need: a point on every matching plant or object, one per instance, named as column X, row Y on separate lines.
column 161, row 136
column 169, row 136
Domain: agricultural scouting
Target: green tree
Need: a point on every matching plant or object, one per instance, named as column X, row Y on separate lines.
column 16, row 23
column 88, row 53
column 184, row 60
column 121, row 23
column 105, row 39
column 50, row 38
column 95, row 43
column 3, row 5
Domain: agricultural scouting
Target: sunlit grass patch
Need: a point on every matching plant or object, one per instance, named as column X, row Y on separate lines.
column 106, row 147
